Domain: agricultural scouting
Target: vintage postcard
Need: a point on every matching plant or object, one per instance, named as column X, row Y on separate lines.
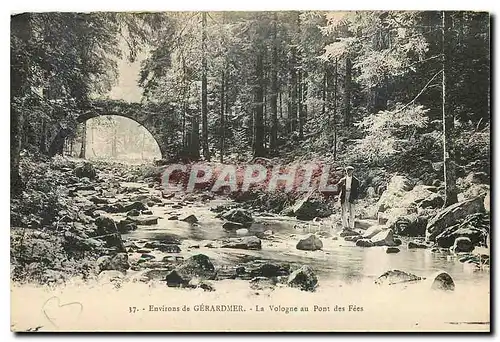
column 318, row 171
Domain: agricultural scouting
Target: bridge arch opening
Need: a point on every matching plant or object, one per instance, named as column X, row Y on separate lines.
column 115, row 138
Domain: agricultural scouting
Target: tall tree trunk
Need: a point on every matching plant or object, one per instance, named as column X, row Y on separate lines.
column 114, row 152
column 323, row 95
column 20, row 71
column 300, row 109
column 222, row 117
column 347, row 97
column 274, row 90
column 43, row 137
column 204, row 104
column 335, row 86
column 259, row 106
column 292, row 92
column 195, row 136
column 84, row 140
column 448, row 118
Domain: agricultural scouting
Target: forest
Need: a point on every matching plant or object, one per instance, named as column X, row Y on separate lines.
column 367, row 88
column 401, row 96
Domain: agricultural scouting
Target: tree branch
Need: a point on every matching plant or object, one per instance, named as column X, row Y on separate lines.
column 420, row 93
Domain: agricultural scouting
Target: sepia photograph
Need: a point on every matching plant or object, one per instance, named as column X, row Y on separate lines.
column 250, row 171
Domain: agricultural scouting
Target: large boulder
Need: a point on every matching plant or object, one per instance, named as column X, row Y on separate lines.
column 462, row 245
column 451, row 215
column 304, row 279
column 477, row 178
column 310, row 207
column 408, row 225
column 396, row 188
column 105, row 225
column 238, row 215
column 118, row 262
column 364, row 243
column 384, row 238
column 247, row 242
column 401, row 193
column 268, row 270
column 475, row 190
column 372, row 231
column 232, row 226
column 433, row 201
column 441, row 280
column 475, row 227
column 311, row 243
column 85, row 170
column 198, row 266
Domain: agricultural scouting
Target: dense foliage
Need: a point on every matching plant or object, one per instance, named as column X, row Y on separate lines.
column 355, row 87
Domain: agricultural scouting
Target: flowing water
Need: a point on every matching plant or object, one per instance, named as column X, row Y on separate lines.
column 338, row 260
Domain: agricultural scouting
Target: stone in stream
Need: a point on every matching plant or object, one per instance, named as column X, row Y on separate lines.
column 372, row 231
column 398, row 242
column 135, row 205
column 311, row 243
column 348, row 232
column 451, row 215
column 190, row 219
column 268, row 270
column 462, row 245
column 304, row 279
column 113, row 242
column 248, row 242
column 164, row 247
column 441, row 280
column 232, row 226
column 86, row 170
column 173, row 218
column 134, row 212
column 352, row 238
column 384, row 238
column 238, row 215
column 364, row 243
column 396, row 277
column 417, row 244
column 147, row 212
column 310, row 207
column 475, row 227
column 126, row 226
column 144, row 220
column 105, row 225
column 199, row 266
column 392, row 250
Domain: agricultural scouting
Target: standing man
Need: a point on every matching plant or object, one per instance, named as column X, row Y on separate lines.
column 349, row 190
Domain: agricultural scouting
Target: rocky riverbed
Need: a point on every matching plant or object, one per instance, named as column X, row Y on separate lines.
column 113, row 224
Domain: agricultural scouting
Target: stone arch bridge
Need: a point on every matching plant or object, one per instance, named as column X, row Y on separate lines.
column 157, row 119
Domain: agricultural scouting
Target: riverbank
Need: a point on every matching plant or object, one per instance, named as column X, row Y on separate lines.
column 83, row 231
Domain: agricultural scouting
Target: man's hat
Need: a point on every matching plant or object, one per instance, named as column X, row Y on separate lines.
column 349, row 168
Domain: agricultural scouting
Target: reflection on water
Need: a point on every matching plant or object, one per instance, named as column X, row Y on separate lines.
column 337, row 260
